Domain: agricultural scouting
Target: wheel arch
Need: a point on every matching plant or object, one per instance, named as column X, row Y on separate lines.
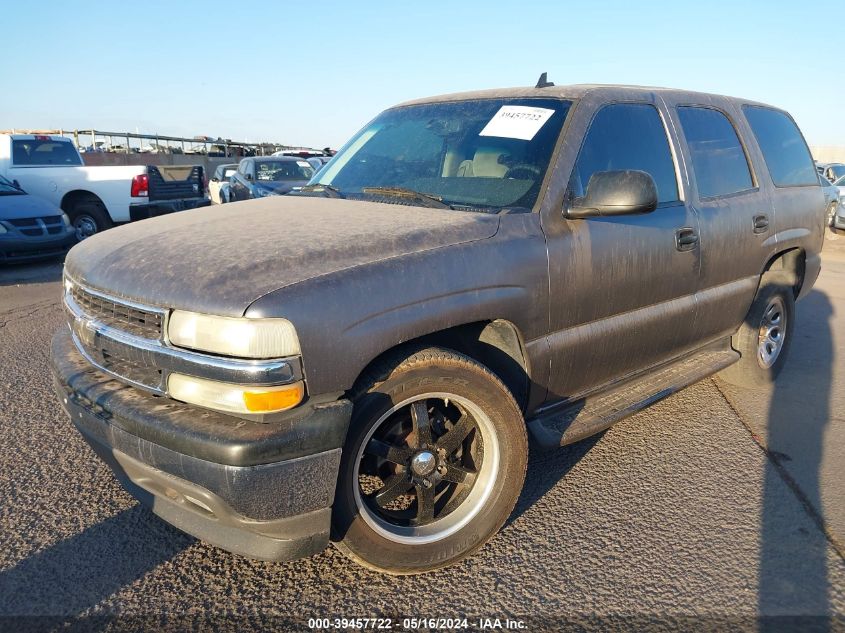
column 72, row 198
column 792, row 263
column 496, row 343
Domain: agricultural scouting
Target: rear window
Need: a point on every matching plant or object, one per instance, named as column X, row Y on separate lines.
column 44, row 152
column 784, row 150
column 718, row 160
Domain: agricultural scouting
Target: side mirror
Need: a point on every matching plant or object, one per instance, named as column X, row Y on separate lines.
column 610, row 193
column 17, row 184
column 249, row 176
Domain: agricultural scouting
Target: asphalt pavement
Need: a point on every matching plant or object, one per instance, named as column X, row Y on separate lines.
column 711, row 508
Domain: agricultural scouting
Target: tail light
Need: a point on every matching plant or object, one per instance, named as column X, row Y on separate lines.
column 140, row 186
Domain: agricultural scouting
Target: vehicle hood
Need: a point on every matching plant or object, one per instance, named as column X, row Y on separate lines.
column 16, row 207
column 218, row 260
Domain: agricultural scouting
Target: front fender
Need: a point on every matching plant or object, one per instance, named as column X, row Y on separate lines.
column 346, row 319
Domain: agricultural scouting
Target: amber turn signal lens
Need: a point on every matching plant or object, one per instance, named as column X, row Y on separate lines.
column 258, row 401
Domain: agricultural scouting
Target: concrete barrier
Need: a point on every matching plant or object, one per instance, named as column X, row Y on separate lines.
column 828, row 153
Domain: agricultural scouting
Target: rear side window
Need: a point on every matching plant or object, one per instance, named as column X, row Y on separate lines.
column 627, row 136
column 783, row 147
column 718, row 160
column 44, row 152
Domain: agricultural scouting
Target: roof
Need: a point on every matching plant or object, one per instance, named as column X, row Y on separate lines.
column 574, row 91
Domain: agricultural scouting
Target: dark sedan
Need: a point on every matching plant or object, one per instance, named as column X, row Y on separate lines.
column 31, row 229
column 268, row 176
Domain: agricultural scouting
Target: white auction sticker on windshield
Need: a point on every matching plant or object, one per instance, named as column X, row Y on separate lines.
column 522, row 122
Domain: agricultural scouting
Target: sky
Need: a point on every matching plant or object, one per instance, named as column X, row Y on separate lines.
column 312, row 73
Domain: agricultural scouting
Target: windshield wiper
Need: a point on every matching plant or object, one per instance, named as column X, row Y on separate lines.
column 328, row 190
column 401, row 192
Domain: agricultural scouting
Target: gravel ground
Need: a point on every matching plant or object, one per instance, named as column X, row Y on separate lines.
column 675, row 518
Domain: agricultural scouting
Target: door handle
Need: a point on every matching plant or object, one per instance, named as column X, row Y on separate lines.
column 761, row 223
column 686, row 239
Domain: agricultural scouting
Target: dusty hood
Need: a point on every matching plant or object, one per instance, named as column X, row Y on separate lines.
column 220, row 259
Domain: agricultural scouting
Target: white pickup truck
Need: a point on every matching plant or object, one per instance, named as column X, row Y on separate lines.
column 96, row 198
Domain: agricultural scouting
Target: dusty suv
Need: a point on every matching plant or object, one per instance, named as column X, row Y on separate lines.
column 362, row 362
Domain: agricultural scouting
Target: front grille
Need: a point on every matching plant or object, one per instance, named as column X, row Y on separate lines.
column 143, row 323
column 144, row 375
column 38, row 227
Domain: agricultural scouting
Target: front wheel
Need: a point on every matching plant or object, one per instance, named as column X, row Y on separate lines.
column 764, row 338
column 433, row 466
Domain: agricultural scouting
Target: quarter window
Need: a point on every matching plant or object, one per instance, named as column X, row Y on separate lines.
column 718, row 160
column 627, row 136
column 784, row 150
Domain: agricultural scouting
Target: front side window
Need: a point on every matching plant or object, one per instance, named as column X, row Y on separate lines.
column 784, row 150
column 486, row 154
column 44, row 152
column 718, row 159
column 627, row 136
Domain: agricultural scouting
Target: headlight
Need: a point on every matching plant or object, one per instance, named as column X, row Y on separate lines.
column 2, row 229
column 241, row 338
column 66, row 219
column 261, row 192
column 234, row 398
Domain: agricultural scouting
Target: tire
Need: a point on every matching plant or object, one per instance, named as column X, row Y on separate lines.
column 446, row 392
column 88, row 217
column 764, row 339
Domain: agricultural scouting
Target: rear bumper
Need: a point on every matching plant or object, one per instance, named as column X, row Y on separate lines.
column 144, row 210
column 17, row 248
column 273, row 504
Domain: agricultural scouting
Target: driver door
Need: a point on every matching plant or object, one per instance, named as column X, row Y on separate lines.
column 622, row 288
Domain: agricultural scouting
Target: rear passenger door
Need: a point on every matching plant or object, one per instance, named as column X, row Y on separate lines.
column 735, row 214
column 622, row 288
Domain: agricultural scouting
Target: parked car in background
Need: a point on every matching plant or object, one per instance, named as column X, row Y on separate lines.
column 840, row 184
column 318, row 162
column 832, row 195
column 31, row 228
column 268, row 176
column 364, row 360
column 218, row 186
column 96, row 198
column 833, row 171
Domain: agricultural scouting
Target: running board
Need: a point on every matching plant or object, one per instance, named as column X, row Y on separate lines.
column 595, row 413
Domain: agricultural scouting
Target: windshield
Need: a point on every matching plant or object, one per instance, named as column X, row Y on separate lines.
column 7, row 187
column 840, row 182
column 273, row 170
column 490, row 153
column 837, row 171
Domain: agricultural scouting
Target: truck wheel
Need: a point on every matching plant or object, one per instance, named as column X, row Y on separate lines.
column 89, row 216
column 433, row 465
column 764, row 338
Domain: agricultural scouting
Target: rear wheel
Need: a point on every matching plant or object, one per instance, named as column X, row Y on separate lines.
column 89, row 216
column 764, row 338
column 433, row 466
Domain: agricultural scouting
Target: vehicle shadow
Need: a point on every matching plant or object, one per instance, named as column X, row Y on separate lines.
column 793, row 566
column 76, row 574
column 42, row 272
column 546, row 468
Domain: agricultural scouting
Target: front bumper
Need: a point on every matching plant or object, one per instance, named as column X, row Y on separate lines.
column 20, row 248
column 144, row 210
column 260, row 490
